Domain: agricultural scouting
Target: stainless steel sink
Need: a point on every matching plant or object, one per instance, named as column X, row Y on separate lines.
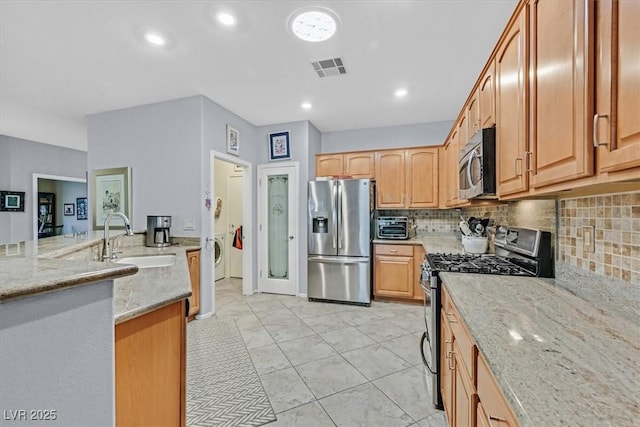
column 149, row 261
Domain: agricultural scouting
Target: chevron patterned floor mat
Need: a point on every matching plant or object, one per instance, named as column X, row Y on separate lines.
column 223, row 387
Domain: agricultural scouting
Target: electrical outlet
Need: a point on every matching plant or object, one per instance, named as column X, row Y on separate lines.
column 189, row 225
column 588, row 239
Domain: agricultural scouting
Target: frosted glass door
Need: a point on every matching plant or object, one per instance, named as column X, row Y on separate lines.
column 278, row 226
column 278, row 248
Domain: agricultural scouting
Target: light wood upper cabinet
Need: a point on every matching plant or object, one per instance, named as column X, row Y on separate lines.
column 487, row 97
column 451, row 171
column 561, row 91
column 618, row 85
column 407, row 178
column 356, row 165
column 422, row 178
column 511, row 111
column 473, row 115
column 329, row 164
column 390, row 179
column 359, row 165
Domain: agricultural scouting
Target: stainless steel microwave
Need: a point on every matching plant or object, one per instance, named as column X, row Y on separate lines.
column 477, row 166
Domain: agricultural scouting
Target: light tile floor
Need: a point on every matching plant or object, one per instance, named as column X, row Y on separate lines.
column 325, row 364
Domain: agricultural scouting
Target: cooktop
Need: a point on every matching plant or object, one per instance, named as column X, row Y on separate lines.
column 485, row 264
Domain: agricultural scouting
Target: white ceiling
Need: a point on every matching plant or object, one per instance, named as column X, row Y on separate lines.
column 62, row 60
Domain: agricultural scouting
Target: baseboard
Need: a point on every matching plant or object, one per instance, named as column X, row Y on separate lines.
column 204, row 316
column 302, row 295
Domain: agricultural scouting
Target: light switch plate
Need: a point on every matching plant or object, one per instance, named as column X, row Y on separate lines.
column 189, row 225
column 588, row 239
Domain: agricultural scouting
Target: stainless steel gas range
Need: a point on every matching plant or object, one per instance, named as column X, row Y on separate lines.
column 522, row 252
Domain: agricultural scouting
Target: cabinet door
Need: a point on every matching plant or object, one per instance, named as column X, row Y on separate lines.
column 393, row 276
column 473, row 114
column 561, row 91
column 446, row 369
column 193, row 260
column 359, row 165
column 150, row 361
column 422, row 178
column 390, row 179
column 495, row 408
column 618, row 85
column 451, row 157
column 329, row 164
column 511, row 135
column 487, row 97
column 463, row 132
column 464, row 392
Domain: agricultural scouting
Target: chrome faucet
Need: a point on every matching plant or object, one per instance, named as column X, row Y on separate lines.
column 106, row 252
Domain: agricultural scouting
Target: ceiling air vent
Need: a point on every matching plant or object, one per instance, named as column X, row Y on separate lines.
column 329, row 67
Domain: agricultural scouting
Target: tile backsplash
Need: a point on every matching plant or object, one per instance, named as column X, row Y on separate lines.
column 615, row 219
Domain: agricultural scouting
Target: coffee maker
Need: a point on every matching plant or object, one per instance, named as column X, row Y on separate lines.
column 158, row 231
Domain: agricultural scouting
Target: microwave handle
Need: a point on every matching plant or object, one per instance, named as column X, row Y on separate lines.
column 469, row 180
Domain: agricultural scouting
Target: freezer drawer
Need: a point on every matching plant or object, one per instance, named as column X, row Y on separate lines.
column 343, row 279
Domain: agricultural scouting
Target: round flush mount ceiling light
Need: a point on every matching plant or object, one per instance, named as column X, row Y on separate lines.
column 313, row 24
column 401, row 93
column 155, row 38
column 306, row 105
column 226, row 19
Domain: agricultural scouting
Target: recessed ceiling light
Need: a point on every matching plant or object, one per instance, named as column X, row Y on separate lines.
column 400, row 93
column 225, row 18
column 306, row 105
column 154, row 38
column 314, row 25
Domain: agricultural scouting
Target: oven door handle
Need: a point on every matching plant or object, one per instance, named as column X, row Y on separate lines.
column 425, row 336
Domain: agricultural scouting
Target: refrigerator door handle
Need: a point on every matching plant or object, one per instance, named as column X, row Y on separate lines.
column 334, row 191
column 340, row 226
column 340, row 260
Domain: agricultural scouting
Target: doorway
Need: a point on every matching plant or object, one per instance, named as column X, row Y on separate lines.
column 234, row 241
column 56, row 212
column 278, row 194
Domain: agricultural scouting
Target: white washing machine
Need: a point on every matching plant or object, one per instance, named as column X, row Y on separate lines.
column 218, row 250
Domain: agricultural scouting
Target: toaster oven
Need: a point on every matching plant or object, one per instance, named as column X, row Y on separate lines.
column 392, row 227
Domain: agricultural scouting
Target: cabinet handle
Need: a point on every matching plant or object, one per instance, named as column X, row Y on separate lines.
column 455, row 319
column 494, row 418
column 450, row 365
column 394, row 251
column 516, row 166
column 528, row 155
column 597, row 143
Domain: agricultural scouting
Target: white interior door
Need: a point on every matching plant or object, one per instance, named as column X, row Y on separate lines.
column 277, row 228
column 234, row 195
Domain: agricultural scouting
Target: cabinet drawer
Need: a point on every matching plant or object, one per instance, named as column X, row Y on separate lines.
column 493, row 403
column 399, row 250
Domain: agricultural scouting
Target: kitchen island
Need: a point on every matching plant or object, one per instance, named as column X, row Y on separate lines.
column 58, row 308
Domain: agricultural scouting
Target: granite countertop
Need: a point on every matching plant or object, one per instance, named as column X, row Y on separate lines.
column 29, row 268
column 558, row 359
column 432, row 242
column 59, row 262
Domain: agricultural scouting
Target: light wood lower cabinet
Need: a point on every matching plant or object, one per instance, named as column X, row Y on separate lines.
column 150, row 361
column 397, row 271
column 470, row 393
column 193, row 260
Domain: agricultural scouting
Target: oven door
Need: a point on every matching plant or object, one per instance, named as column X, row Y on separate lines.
column 430, row 342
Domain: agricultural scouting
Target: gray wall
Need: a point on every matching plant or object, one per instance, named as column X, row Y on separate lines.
column 414, row 135
column 57, row 353
column 68, row 192
column 19, row 160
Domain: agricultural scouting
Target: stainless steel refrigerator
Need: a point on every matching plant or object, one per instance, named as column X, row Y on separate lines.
column 340, row 214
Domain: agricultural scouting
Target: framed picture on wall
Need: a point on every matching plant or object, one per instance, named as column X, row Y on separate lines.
column 12, row 201
column 112, row 193
column 81, row 208
column 233, row 140
column 279, row 145
column 69, row 209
